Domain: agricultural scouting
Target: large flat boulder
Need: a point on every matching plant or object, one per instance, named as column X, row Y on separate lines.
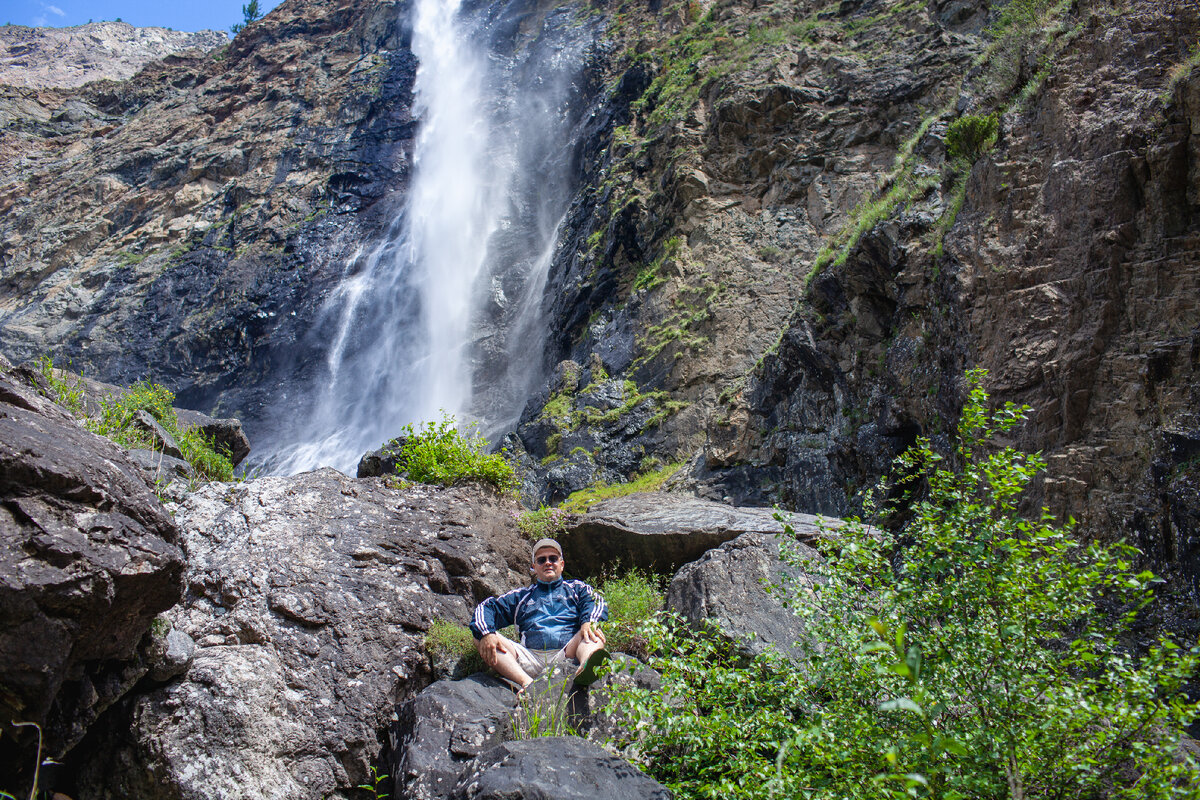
column 661, row 532
column 554, row 768
column 734, row 586
column 308, row 600
column 88, row 558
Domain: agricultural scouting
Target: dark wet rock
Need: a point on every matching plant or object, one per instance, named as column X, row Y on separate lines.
column 225, row 434
column 439, row 731
column 164, row 442
column 554, row 768
column 442, row 728
column 308, row 600
column 660, row 532
column 383, row 461
column 88, row 557
column 738, row 586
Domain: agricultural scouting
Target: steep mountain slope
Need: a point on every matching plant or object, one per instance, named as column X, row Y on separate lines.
column 798, row 223
column 188, row 210
column 36, row 58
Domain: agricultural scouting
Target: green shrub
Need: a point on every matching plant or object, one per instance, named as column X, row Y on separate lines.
column 116, row 422
column 455, row 642
column 971, row 136
column 437, row 452
column 66, row 390
column 450, row 639
column 544, row 522
column 968, row 655
column 117, row 413
column 633, row 599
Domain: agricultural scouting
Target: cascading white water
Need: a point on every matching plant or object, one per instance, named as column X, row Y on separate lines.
column 488, row 189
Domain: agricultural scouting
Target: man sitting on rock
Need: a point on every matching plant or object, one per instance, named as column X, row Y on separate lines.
column 553, row 616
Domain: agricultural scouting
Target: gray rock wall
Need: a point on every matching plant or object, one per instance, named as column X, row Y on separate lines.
column 88, row 557
column 308, row 598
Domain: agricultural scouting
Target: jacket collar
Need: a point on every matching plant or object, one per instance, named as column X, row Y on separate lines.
column 551, row 585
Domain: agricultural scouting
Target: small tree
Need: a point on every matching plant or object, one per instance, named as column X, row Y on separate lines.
column 973, row 654
column 250, row 13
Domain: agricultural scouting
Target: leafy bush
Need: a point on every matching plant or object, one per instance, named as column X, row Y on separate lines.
column 971, row 136
column 544, row 522
column 974, row 654
column 117, row 412
column 437, row 452
column 116, row 423
column 633, row 600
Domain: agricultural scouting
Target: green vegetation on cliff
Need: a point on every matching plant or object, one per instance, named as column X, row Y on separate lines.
column 973, row 654
column 116, row 415
column 437, row 452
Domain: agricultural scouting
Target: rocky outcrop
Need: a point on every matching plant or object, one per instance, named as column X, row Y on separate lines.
column 741, row 587
column 682, row 270
column 308, row 599
column 1069, row 274
column 660, row 532
column 442, row 728
column 88, row 558
column 218, row 202
column 554, row 768
column 445, row 735
column 37, row 58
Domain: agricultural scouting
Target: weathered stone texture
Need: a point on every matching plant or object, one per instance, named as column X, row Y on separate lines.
column 554, row 768
column 660, row 532
column 741, row 586
column 308, row 598
column 88, row 557
column 36, row 58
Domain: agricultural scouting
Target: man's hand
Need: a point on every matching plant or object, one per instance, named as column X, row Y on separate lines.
column 490, row 648
column 591, row 634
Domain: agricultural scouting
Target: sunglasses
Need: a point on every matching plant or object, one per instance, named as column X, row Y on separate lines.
column 543, row 559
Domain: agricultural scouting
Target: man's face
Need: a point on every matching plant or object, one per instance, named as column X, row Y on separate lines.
column 551, row 566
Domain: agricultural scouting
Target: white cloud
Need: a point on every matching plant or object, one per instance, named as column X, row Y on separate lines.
column 39, row 22
column 55, row 10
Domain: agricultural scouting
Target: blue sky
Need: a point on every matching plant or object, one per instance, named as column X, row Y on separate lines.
column 188, row 15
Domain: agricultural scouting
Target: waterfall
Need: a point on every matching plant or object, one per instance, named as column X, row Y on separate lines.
column 443, row 313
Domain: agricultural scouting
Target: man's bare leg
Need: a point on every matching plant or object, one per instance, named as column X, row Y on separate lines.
column 498, row 654
column 581, row 650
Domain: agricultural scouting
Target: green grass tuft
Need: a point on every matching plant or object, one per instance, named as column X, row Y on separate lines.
column 579, row 502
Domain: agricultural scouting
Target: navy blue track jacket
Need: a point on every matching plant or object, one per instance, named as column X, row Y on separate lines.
column 547, row 615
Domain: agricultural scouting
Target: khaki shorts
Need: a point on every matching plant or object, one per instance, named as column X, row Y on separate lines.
column 534, row 662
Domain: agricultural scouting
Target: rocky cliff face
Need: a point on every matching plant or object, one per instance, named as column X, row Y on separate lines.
column 37, row 58
column 202, row 208
column 781, row 258
column 788, row 239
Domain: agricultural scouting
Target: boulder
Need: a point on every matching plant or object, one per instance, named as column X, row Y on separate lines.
column 225, row 434
column 88, row 558
column 164, row 442
column 169, row 655
column 730, row 585
column 438, row 731
column 554, row 768
column 382, row 461
column 308, row 600
column 661, row 532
